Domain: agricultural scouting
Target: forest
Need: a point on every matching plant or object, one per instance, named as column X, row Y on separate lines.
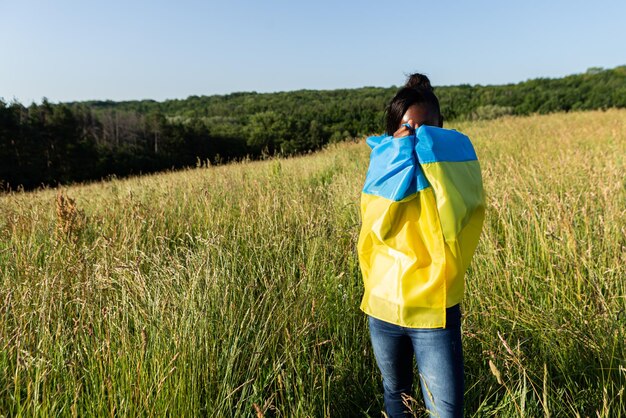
column 50, row 144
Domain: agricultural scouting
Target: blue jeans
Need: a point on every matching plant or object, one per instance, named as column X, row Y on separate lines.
column 439, row 357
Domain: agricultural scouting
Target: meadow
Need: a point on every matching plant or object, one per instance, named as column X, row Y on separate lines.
column 233, row 290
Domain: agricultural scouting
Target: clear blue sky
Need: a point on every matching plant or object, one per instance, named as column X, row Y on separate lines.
column 70, row 50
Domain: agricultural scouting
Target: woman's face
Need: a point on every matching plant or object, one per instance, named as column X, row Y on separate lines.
column 421, row 115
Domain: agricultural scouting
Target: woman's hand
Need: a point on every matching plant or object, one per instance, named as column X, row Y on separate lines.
column 405, row 130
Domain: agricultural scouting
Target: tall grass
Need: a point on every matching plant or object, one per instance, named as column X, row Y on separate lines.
column 234, row 290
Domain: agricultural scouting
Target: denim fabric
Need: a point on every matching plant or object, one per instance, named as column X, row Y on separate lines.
column 439, row 357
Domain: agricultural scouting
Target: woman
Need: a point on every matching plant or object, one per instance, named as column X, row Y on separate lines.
column 422, row 210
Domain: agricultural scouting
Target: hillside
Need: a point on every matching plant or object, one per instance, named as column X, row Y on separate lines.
column 51, row 144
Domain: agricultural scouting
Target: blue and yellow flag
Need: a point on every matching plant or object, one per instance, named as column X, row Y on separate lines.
column 422, row 212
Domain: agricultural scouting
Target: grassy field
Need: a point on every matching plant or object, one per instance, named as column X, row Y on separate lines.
column 234, row 290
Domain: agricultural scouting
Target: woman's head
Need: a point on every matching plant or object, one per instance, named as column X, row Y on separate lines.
column 415, row 101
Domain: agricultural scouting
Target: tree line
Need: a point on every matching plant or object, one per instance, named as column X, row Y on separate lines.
column 52, row 144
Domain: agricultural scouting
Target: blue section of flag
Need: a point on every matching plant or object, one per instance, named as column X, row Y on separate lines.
column 437, row 145
column 393, row 172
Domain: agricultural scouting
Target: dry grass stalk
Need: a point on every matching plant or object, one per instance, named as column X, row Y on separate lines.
column 70, row 220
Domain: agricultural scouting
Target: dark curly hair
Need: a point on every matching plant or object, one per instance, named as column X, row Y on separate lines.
column 416, row 91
